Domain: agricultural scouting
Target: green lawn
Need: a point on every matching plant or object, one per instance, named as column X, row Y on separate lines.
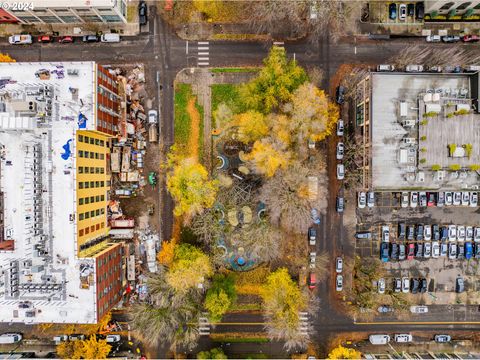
column 228, row 94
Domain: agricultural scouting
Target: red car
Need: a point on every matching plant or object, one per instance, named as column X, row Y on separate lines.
column 431, row 199
column 65, row 39
column 471, row 38
column 410, row 251
column 312, row 281
column 45, row 39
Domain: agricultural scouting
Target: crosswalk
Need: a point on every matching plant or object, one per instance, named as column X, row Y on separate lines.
column 304, row 324
column 203, row 326
column 203, row 52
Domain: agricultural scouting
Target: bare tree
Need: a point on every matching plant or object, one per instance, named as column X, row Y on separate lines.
column 207, row 226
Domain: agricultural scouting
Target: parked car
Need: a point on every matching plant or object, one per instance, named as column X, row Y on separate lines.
column 457, row 198
column 422, row 196
column 340, row 204
column 66, row 39
column 473, row 199
column 427, row 232
column 340, row 95
column 435, row 232
column 443, row 249
column 435, row 69
column 313, row 259
column 405, row 285
column 339, row 265
column 113, row 338
column 340, row 150
column 419, row 309
column 142, row 13
column 461, row 233
column 419, row 10
column 433, row 38
column 427, row 249
column 413, row 199
column 414, row 68
column 410, row 251
column 384, row 247
column 468, row 250
column 476, row 234
column 397, row 285
column 414, row 284
column 431, row 199
column 392, row 11
column 403, row 338
column 459, row 285
column 315, row 216
column 465, row 198
column 385, row 233
column 340, row 172
column 410, row 232
column 450, row 38
column 384, row 309
column 363, row 235
column 385, row 67
column 152, row 116
column 452, row 232
column 477, row 251
column 469, row 233
column 411, row 9
column 442, row 338
column 45, row 39
column 370, row 199
column 60, row 338
column 10, row 338
column 441, row 199
column 448, row 198
column 404, row 199
column 419, row 250
column 420, row 232
column 423, row 285
column 402, row 12
column 90, row 38
column 435, row 249
column 340, row 127
column 401, row 231
column 339, row 283
column 402, row 254
column 470, row 38
column 20, row 39
column 379, row 339
column 381, row 286
column 444, row 233
column 460, row 251
column 312, row 236
column 75, row 337
column 452, row 251
column 312, row 281
column 362, row 200
column 394, row 251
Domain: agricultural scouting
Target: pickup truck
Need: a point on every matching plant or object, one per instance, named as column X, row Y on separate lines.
column 20, row 39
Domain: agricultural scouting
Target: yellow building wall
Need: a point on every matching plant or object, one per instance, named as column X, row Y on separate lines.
column 92, row 185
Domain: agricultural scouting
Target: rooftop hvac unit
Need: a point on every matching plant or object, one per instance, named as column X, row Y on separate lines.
column 13, row 263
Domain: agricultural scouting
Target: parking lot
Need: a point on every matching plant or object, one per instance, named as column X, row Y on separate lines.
column 381, row 13
column 440, row 272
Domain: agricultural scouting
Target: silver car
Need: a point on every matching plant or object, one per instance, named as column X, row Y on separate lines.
column 448, row 198
column 405, row 199
column 370, row 199
column 413, row 199
column 340, row 150
column 340, row 171
column 362, row 199
column 473, row 199
column 457, row 198
column 465, row 198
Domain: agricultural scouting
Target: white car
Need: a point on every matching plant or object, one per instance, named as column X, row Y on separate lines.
column 452, row 251
column 465, row 198
column 452, row 232
column 427, row 232
column 422, row 195
column 340, row 150
column 433, row 38
column 427, row 249
column 152, row 116
column 473, row 199
column 405, row 285
column 402, row 12
column 340, row 172
column 340, row 127
column 469, row 233
column 405, row 199
column 339, row 265
column 370, row 199
column 448, row 198
column 385, row 233
column 422, row 309
column 112, row 338
column 20, row 39
column 381, row 286
column 435, row 249
column 413, row 199
column 339, row 283
column 461, row 233
column 457, row 198
column 476, row 234
column 403, row 338
column 362, row 200
column 313, row 259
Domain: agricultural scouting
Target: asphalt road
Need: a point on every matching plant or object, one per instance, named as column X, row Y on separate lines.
column 164, row 54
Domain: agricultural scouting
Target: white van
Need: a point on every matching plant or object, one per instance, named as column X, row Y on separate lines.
column 403, row 108
column 110, row 38
column 379, row 339
column 403, row 338
column 10, row 338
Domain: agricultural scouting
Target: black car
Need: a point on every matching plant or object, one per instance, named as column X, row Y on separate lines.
column 435, row 232
column 420, row 10
column 142, row 13
column 90, row 38
column 414, row 283
column 411, row 9
column 419, row 235
column 401, row 231
column 460, row 251
column 419, row 250
column 411, row 232
column 392, row 11
column 477, row 250
column 443, row 233
column 423, row 285
column 394, row 252
column 340, row 95
column 340, row 204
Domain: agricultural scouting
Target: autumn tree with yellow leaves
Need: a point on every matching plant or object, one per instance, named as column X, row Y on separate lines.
column 266, row 158
column 6, row 58
column 341, row 352
column 92, row 348
column 251, row 126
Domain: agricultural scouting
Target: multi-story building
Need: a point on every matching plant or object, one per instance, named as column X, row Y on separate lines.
column 68, row 12
column 57, row 262
column 444, row 7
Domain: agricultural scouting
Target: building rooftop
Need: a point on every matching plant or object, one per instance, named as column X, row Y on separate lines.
column 41, row 107
column 411, row 131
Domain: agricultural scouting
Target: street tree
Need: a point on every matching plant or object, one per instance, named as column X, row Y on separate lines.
column 274, row 84
column 220, row 296
column 167, row 252
column 94, row 348
column 190, row 268
column 251, row 126
column 215, row 353
column 341, row 352
column 189, row 184
column 267, row 157
column 207, row 226
column 6, row 58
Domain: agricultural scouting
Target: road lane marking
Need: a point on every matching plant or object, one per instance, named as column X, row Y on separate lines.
column 419, row 323
column 203, row 64
column 203, row 48
column 203, row 43
column 203, row 53
column 203, row 59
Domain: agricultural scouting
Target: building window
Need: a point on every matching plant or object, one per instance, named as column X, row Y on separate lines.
column 92, row 141
column 80, row 138
column 92, row 213
column 80, row 153
column 80, row 169
column 69, row 19
column 92, row 199
column 447, row 6
column 87, row 231
column 92, row 228
column 87, row 215
column 102, row 224
column 49, row 19
column 91, row 18
column 80, row 185
column 80, row 201
column 92, row 184
column 80, row 216
column 464, row 5
column 97, row 212
column 102, row 211
column 97, row 227
column 92, row 170
column 86, row 185
column 80, row 233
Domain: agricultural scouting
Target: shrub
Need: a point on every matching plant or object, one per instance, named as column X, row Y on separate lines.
column 455, row 167
column 452, row 148
column 436, row 167
column 423, row 138
column 462, row 112
column 468, row 149
column 423, row 161
column 430, row 114
column 449, row 115
column 474, row 167
column 423, row 122
column 423, row 150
